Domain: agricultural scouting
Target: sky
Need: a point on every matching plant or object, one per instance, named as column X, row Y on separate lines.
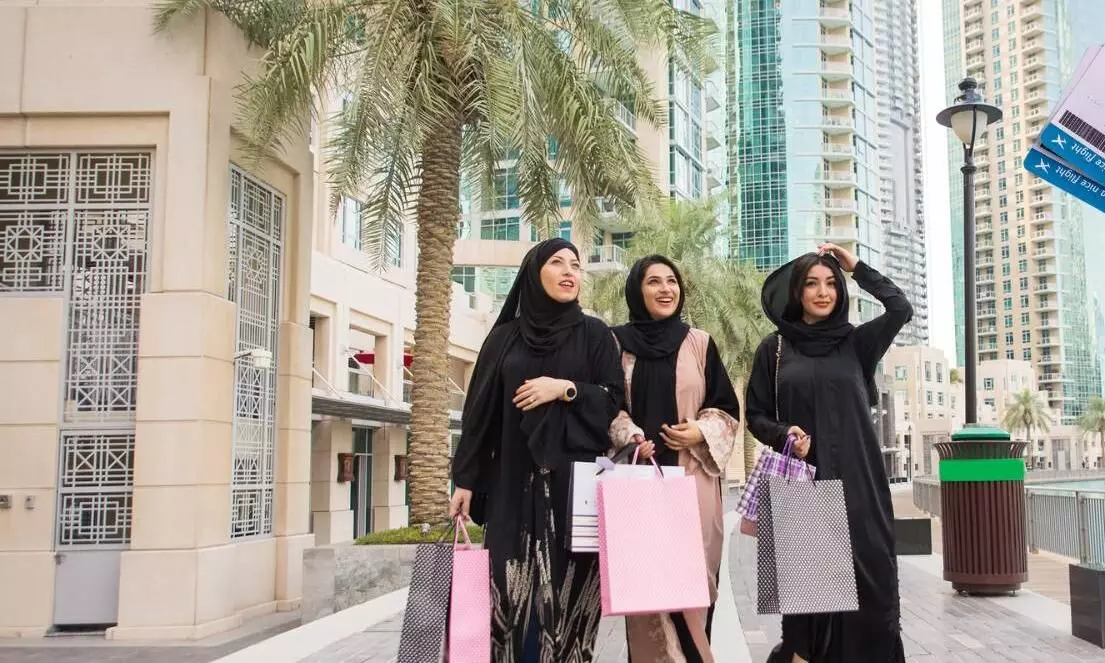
column 937, row 224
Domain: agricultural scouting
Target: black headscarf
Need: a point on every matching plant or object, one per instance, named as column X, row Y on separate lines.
column 782, row 303
column 655, row 344
column 543, row 322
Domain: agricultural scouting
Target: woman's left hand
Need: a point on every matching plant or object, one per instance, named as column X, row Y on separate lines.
column 682, row 436
column 846, row 258
column 538, row 391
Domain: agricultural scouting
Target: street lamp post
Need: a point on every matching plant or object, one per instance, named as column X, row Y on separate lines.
column 968, row 118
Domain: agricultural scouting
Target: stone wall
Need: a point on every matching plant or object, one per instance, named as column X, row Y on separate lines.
column 342, row 575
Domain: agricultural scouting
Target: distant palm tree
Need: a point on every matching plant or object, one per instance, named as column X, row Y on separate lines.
column 1092, row 420
column 723, row 297
column 437, row 86
column 1027, row 411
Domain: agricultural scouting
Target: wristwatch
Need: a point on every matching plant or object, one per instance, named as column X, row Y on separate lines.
column 570, row 393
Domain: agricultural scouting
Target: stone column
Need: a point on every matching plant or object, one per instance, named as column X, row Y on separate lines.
column 330, row 512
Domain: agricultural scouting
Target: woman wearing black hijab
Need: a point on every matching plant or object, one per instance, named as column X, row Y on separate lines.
column 823, row 394
column 545, row 388
column 683, row 407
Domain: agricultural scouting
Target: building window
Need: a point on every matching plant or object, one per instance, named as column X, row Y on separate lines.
column 507, row 229
column 988, row 384
column 900, row 373
column 504, row 189
column 928, row 371
column 939, row 373
column 566, row 230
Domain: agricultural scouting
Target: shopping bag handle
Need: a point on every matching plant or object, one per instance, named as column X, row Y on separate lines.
column 623, row 454
column 458, row 527
column 652, row 459
column 788, row 453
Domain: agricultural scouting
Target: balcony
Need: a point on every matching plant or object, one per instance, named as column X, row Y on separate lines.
column 1034, row 64
column 1034, row 80
column 1043, row 235
column 837, row 151
column 626, row 117
column 836, row 70
column 606, row 258
column 834, row 45
column 1033, row 46
column 838, row 179
column 837, row 125
column 976, row 62
column 973, row 29
column 840, row 235
column 1029, row 30
column 973, row 47
column 1037, row 113
column 1046, row 287
column 983, row 210
column 839, row 206
column 834, row 17
column 836, row 98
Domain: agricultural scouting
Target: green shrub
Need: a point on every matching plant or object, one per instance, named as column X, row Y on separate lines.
column 412, row 535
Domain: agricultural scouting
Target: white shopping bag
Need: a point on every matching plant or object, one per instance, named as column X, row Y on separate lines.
column 583, row 510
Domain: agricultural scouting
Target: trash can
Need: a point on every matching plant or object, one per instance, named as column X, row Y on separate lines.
column 982, row 511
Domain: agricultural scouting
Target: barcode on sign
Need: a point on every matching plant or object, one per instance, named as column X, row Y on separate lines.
column 1083, row 130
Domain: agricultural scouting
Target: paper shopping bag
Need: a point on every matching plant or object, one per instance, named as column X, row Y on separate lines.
column 583, row 509
column 804, row 549
column 426, row 618
column 649, row 518
column 470, row 609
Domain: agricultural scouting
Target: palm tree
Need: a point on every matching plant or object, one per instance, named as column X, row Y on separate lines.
column 1026, row 410
column 723, row 296
column 1093, row 419
column 440, row 85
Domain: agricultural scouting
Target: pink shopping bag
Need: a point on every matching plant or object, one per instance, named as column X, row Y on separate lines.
column 470, row 605
column 643, row 519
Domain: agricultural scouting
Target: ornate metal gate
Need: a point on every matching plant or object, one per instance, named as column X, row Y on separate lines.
column 255, row 251
column 76, row 224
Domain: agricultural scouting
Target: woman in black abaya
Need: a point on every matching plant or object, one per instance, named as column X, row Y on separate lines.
column 825, row 386
column 545, row 388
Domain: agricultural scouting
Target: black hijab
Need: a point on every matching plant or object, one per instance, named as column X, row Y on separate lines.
column 655, row 344
column 543, row 323
column 782, row 303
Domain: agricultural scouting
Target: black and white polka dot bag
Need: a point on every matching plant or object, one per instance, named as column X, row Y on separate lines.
column 804, row 549
column 426, row 619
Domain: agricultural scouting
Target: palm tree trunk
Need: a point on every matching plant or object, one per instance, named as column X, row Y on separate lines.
column 438, row 205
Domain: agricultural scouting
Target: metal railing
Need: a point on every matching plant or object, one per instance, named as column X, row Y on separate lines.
column 1060, row 520
column 1067, row 523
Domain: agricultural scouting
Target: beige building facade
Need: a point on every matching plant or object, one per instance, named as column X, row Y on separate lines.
column 200, row 344
column 1061, row 446
column 928, row 406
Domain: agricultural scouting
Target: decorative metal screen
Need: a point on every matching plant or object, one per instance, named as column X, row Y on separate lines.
column 76, row 224
column 254, row 248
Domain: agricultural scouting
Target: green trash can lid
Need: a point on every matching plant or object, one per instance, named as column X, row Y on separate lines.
column 976, row 432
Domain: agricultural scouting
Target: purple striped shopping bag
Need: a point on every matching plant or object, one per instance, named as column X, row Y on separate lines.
column 771, row 464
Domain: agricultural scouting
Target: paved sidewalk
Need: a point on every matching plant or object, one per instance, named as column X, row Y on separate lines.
column 938, row 626
column 380, row 643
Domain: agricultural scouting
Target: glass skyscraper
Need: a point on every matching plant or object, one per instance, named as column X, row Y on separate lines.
column 808, row 168
column 1031, row 270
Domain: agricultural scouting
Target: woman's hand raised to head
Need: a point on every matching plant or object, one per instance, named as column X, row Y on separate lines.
column 846, row 258
column 538, row 391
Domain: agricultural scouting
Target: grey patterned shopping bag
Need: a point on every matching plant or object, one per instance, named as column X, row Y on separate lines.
column 424, row 623
column 804, row 549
